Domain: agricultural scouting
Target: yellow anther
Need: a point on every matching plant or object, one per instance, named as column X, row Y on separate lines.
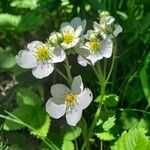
column 43, row 54
column 68, row 37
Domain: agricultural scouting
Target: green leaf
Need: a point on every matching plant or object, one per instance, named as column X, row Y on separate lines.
column 68, row 145
column 71, row 133
column 132, row 140
column 7, row 60
column 26, row 97
column 144, row 78
column 30, row 21
column 24, row 4
column 105, row 136
column 23, row 114
column 107, row 125
column 9, row 21
column 111, row 100
column 40, row 122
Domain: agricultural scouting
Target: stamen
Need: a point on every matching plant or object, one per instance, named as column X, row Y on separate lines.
column 43, row 53
column 94, row 45
column 68, row 37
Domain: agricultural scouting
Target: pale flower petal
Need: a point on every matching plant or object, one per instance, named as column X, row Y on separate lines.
column 82, row 61
column 55, row 110
column 78, row 31
column 42, row 70
column 77, row 85
column 118, row 29
column 58, row 55
column 75, row 22
column 107, row 46
column 25, row 59
column 33, row 46
column 59, row 91
column 85, row 98
column 73, row 115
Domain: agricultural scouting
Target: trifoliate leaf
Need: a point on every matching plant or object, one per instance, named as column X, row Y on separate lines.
column 105, row 136
column 71, row 133
column 133, row 140
column 26, row 97
column 107, row 125
column 68, row 145
column 23, row 114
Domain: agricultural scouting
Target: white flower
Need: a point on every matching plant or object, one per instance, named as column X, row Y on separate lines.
column 71, row 32
column 41, row 57
column 70, row 101
column 106, row 27
column 97, row 48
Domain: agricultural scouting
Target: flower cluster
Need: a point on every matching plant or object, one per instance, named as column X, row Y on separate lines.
column 91, row 47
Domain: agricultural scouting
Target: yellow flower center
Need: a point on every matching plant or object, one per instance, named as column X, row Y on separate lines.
column 68, row 37
column 43, row 54
column 70, row 98
column 94, row 45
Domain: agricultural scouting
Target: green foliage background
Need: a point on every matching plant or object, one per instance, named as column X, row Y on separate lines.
column 128, row 94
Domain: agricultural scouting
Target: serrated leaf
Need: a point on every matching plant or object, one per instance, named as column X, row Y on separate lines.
column 26, row 97
column 105, row 136
column 133, row 140
column 21, row 113
column 107, row 125
column 40, row 122
column 24, row 4
column 67, row 145
column 71, row 133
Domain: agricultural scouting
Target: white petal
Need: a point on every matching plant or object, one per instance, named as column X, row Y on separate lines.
column 108, row 20
column 83, row 24
column 117, row 30
column 78, row 31
column 59, row 90
column 107, row 46
column 67, row 28
column 55, row 110
column 33, row 46
column 42, row 70
column 58, row 55
column 82, row 61
column 96, row 26
column 85, row 98
column 94, row 57
column 64, row 24
column 77, row 85
column 73, row 115
column 75, row 22
column 25, row 59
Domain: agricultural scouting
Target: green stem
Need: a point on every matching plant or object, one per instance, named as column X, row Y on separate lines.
column 113, row 61
column 60, row 73
column 68, row 67
column 97, row 112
